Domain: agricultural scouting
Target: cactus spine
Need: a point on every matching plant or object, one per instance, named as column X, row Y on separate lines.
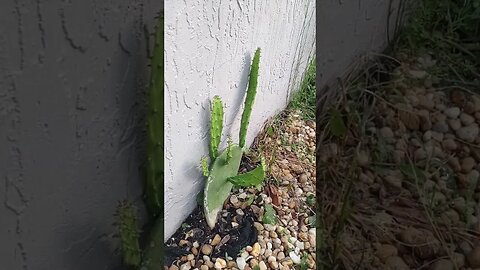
column 216, row 127
column 251, row 92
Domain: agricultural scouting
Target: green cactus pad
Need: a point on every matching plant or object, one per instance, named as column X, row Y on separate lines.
column 216, row 126
column 218, row 187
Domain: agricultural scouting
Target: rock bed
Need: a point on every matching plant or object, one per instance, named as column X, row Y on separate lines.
column 416, row 191
column 288, row 145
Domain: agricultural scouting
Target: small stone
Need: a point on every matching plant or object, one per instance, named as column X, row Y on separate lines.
column 262, row 265
column 173, row 267
column 220, row 263
column 417, row 74
column 255, row 250
column 440, row 126
column 437, row 136
column 363, row 158
column 398, row 156
column 280, row 255
column 207, row 249
column 240, row 212
column 467, row 119
column 387, row 134
column 458, row 259
column 393, row 180
column 216, row 240
column 443, row 264
column 303, row 178
column 386, row 251
column 273, row 265
column 396, row 263
column 205, row 267
column 467, row 164
column 427, row 136
column 452, row 112
column 449, row 144
column 295, row 258
column 454, row 124
column 468, row 133
column 183, row 243
column 269, row 227
column 455, row 164
column 258, row 226
column 241, row 263
column 190, row 257
column 473, row 258
column 185, row 266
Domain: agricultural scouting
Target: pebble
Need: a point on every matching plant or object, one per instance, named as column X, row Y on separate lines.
column 452, row 112
column 468, row 133
column 262, row 265
column 443, row 264
column 467, row 119
column 454, row 124
column 241, row 263
column 387, row 134
column 173, row 267
column 473, row 258
column 467, row 164
column 440, row 126
column 220, row 263
column 449, row 144
column 255, row 250
column 295, row 258
column 385, row 251
column 185, row 266
column 396, row 263
column 207, row 249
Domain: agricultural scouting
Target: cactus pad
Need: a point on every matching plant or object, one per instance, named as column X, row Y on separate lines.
column 216, row 126
column 218, row 187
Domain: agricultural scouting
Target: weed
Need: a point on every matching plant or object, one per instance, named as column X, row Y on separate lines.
column 304, row 98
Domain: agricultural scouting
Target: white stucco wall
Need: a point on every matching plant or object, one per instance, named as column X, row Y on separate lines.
column 208, row 50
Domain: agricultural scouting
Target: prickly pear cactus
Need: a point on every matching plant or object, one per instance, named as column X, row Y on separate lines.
column 224, row 168
column 251, row 93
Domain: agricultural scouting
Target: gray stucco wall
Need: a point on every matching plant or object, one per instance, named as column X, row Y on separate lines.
column 72, row 82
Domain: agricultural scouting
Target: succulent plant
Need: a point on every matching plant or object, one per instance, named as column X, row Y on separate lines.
column 224, row 167
column 151, row 258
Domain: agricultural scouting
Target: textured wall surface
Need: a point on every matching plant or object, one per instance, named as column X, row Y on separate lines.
column 348, row 29
column 209, row 46
column 72, row 82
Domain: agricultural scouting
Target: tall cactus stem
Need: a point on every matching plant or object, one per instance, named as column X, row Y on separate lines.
column 216, row 127
column 251, row 92
column 155, row 125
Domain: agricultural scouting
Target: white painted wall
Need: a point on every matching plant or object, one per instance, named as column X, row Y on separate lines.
column 208, row 50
